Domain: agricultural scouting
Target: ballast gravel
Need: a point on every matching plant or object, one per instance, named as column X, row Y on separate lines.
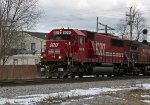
column 53, row 88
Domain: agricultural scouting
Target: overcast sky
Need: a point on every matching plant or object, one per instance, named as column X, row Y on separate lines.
column 81, row 14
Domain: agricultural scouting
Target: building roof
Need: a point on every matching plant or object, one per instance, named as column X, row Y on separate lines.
column 37, row 34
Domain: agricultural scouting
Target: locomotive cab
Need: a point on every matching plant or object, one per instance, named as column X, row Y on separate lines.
column 62, row 46
column 59, row 45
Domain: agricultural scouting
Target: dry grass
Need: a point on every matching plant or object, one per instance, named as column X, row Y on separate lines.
column 132, row 97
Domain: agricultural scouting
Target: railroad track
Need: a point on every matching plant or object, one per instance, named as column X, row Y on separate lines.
column 25, row 82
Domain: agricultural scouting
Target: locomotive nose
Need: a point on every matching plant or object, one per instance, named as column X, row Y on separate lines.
column 54, row 44
column 57, row 50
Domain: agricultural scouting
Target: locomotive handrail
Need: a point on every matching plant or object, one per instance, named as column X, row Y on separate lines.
column 127, row 57
column 65, row 52
column 130, row 62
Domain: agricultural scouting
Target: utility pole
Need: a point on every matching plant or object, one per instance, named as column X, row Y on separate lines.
column 130, row 22
column 97, row 25
column 106, row 27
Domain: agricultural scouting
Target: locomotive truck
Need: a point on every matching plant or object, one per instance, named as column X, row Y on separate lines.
column 73, row 52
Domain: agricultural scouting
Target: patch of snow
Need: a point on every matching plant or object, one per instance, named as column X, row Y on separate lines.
column 32, row 99
column 145, row 96
column 65, row 103
column 146, row 101
column 3, row 101
column 118, row 98
column 89, row 76
column 144, row 86
column 73, row 100
column 82, row 92
column 24, row 100
column 88, row 98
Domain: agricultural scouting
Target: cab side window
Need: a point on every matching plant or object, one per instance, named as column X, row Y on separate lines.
column 82, row 40
column 75, row 39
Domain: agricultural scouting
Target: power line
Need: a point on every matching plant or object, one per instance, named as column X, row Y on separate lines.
column 106, row 26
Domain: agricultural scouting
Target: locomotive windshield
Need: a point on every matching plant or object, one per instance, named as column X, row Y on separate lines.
column 63, row 37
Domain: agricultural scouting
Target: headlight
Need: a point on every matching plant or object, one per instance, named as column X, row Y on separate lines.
column 41, row 57
column 59, row 57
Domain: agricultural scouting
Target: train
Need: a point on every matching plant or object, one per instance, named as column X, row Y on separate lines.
column 74, row 52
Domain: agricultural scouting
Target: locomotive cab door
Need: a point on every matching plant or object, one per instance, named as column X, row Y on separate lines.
column 75, row 46
column 79, row 47
column 82, row 48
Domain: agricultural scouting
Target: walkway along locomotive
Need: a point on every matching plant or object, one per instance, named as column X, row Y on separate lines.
column 80, row 52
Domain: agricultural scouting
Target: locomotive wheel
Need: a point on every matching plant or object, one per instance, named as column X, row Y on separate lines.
column 135, row 71
column 72, row 75
column 116, row 71
column 145, row 71
column 66, row 76
column 108, row 75
column 97, row 75
column 43, row 71
column 49, row 77
column 81, row 75
column 58, row 77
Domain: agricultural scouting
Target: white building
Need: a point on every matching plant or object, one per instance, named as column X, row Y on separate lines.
column 29, row 50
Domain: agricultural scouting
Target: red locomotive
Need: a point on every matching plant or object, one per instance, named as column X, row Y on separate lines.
column 81, row 52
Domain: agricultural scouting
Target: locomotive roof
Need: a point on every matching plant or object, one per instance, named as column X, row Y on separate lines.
column 105, row 34
column 79, row 32
column 108, row 34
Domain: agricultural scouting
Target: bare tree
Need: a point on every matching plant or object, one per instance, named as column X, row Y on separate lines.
column 140, row 24
column 122, row 27
column 133, row 25
column 15, row 16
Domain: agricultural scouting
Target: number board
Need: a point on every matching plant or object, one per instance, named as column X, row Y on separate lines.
column 66, row 32
column 62, row 32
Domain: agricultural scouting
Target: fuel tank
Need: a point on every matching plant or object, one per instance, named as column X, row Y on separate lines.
column 103, row 70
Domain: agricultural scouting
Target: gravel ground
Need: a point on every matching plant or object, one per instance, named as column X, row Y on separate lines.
column 107, row 98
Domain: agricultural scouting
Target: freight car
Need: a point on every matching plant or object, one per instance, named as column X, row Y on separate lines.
column 73, row 52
